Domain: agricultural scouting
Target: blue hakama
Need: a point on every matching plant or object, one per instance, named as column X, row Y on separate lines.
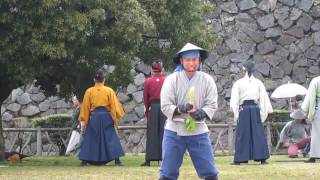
column 199, row 148
column 100, row 140
column 251, row 142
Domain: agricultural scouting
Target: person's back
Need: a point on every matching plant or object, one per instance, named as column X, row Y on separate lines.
column 297, row 132
column 293, row 132
column 154, row 85
column 250, row 88
column 100, row 112
column 155, row 118
column 250, row 104
column 294, row 136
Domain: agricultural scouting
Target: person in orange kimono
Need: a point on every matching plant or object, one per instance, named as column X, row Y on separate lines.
column 99, row 115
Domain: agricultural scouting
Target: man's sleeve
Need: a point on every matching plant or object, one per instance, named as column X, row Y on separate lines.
column 85, row 108
column 309, row 102
column 211, row 98
column 167, row 97
column 235, row 101
column 264, row 103
column 146, row 95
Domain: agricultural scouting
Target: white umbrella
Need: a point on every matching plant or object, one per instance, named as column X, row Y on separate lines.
column 289, row 90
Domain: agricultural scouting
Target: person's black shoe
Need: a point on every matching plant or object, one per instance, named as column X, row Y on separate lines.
column 84, row 163
column 264, row 162
column 310, row 160
column 164, row 178
column 146, row 163
column 211, row 178
column 235, row 163
column 304, row 155
column 117, row 162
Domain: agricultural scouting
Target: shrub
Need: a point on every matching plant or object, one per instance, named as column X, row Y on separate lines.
column 279, row 115
column 53, row 121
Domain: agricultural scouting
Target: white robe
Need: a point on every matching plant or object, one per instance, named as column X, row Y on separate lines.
column 310, row 105
column 250, row 88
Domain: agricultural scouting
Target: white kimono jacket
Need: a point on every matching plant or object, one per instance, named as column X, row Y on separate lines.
column 250, row 88
column 175, row 91
column 311, row 105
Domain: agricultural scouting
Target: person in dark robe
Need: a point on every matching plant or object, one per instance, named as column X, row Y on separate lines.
column 155, row 118
column 99, row 115
column 250, row 104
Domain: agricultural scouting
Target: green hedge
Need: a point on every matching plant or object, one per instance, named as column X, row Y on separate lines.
column 279, row 115
column 53, row 121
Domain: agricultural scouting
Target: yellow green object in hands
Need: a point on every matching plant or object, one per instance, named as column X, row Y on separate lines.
column 190, row 123
column 191, row 94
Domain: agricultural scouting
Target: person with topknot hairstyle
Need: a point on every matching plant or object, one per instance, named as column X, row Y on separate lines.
column 99, row 115
column 250, row 104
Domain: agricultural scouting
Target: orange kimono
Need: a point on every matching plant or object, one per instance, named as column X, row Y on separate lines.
column 101, row 96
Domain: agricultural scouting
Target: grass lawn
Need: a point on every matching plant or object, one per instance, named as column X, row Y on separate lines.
column 68, row 168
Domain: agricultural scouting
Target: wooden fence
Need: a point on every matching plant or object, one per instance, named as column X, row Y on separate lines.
column 272, row 131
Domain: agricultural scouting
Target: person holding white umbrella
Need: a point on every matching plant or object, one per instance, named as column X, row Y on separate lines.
column 311, row 106
column 290, row 90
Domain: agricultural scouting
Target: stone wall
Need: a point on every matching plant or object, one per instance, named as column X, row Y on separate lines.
column 28, row 102
column 282, row 38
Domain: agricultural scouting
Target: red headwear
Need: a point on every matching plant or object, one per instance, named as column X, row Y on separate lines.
column 156, row 66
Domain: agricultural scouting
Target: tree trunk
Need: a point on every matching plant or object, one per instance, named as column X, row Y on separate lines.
column 2, row 145
column 3, row 96
column 7, row 84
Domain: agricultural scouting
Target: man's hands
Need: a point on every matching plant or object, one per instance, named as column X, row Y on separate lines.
column 82, row 127
column 198, row 114
column 184, row 108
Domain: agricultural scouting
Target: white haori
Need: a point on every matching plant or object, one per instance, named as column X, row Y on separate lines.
column 250, row 88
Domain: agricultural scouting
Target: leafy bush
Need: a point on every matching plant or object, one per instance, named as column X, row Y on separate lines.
column 53, row 121
column 279, row 115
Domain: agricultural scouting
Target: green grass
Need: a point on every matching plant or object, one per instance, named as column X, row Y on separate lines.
column 68, row 168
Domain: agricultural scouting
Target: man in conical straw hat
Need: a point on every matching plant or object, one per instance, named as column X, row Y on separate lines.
column 188, row 98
